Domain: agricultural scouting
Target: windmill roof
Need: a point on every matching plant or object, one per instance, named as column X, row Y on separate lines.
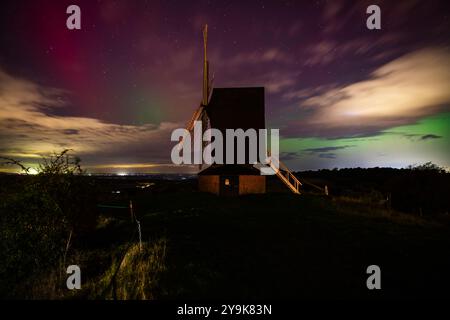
column 230, row 169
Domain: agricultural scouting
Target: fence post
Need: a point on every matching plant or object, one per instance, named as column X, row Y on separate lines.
column 131, row 211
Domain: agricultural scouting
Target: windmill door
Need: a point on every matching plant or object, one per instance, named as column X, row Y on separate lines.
column 229, row 185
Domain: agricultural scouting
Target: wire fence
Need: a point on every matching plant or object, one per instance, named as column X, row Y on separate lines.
column 132, row 216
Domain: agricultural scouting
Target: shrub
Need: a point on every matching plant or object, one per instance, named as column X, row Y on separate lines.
column 39, row 214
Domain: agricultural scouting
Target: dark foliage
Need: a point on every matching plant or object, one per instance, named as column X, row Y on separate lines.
column 37, row 215
column 422, row 190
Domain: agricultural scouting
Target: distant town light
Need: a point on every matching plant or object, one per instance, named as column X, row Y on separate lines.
column 122, row 174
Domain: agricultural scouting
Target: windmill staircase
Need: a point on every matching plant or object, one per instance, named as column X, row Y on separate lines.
column 285, row 175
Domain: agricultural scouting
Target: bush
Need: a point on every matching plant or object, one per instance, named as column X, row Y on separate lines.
column 32, row 236
column 40, row 215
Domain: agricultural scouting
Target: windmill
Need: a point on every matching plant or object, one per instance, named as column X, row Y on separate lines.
column 234, row 108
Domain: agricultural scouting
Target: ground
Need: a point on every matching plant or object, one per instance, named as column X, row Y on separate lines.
column 261, row 246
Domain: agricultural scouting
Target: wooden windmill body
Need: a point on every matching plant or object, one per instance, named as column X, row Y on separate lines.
column 233, row 108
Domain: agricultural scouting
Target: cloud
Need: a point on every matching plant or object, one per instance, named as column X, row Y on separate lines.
column 415, row 136
column 269, row 55
column 326, row 149
column 308, row 92
column 326, row 51
column 275, row 81
column 321, row 53
column 269, row 67
column 331, row 9
column 400, row 92
column 274, row 86
column 430, row 136
column 325, row 152
column 320, row 152
column 288, row 156
column 29, row 130
column 328, row 155
column 71, row 131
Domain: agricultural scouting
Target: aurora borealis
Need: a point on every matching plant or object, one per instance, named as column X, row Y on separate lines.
column 341, row 95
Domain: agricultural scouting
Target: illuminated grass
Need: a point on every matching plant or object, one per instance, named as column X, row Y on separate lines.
column 135, row 277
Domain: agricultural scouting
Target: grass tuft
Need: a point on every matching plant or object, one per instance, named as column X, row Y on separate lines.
column 136, row 276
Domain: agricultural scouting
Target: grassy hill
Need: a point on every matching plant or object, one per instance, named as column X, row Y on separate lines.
column 195, row 245
column 267, row 246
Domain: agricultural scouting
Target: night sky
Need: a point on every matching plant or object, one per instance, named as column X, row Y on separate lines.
column 341, row 95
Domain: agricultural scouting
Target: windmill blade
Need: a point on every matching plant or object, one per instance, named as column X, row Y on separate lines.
column 197, row 115
column 205, row 127
column 211, row 87
column 200, row 114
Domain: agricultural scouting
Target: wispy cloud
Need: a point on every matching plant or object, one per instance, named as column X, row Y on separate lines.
column 269, row 55
column 400, row 92
column 430, row 136
column 28, row 131
column 326, row 152
column 415, row 136
column 328, row 155
column 326, row 149
column 327, row 50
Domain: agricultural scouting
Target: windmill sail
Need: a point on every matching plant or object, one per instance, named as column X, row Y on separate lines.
column 200, row 114
column 205, row 67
